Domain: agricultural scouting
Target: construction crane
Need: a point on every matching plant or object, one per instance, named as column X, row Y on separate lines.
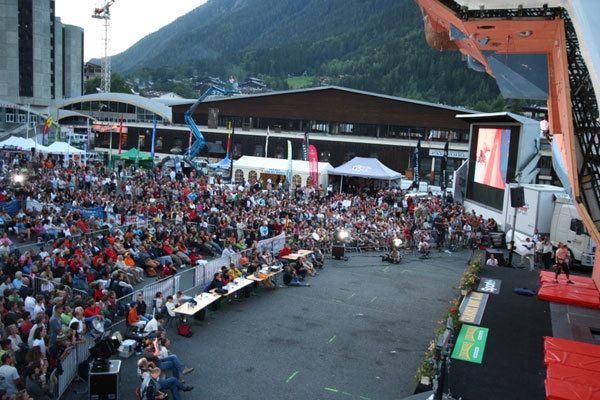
column 199, row 141
column 104, row 13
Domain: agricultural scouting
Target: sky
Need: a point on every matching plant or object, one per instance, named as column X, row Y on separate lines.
column 130, row 21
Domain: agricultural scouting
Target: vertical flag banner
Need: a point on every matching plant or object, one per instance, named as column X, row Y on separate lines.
column 89, row 133
column 120, row 133
column 190, row 144
column 416, row 165
column 110, row 145
column 313, row 165
column 228, row 140
column 267, row 143
column 444, row 167
column 305, row 147
column 289, row 170
column 47, row 126
column 68, row 148
column 230, row 156
column 153, row 141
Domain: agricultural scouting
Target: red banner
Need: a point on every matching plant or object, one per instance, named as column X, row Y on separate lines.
column 313, row 165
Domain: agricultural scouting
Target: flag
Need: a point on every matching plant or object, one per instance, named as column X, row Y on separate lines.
column 267, row 143
column 443, row 167
column 190, row 144
column 153, row 142
column 47, row 126
column 289, row 170
column 429, row 137
column 305, row 147
column 231, row 157
column 228, row 139
column 120, row 133
column 68, row 148
column 89, row 133
column 416, row 165
column 313, row 165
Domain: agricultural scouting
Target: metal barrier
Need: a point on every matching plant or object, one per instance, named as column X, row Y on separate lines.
column 70, row 366
column 190, row 281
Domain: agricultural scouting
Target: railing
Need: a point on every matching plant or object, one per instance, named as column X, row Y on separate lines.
column 190, row 281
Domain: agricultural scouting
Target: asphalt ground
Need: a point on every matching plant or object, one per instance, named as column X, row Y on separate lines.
column 359, row 332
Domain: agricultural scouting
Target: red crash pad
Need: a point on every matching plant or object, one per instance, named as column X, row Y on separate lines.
column 582, row 293
column 562, row 390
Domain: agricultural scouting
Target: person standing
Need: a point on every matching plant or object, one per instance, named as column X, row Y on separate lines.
column 547, row 252
column 528, row 255
column 562, row 259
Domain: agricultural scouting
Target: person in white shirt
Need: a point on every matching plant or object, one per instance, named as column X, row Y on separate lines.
column 29, row 303
column 492, row 261
column 170, row 306
column 9, row 376
column 528, row 255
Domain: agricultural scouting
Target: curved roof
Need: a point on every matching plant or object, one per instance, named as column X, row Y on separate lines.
column 149, row 104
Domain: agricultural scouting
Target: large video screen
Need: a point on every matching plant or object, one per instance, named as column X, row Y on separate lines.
column 492, row 163
column 492, row 157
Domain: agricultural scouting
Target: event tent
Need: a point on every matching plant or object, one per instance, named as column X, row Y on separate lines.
column 24, row 144
column 132, row 155
column 61, row 148
column 223, row 164
column 368, row 168
column 263, row 166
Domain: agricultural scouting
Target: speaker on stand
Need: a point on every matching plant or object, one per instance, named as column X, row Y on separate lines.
column 517, row 197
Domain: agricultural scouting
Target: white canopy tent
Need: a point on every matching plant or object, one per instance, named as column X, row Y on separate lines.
column 62, row 148
column 368, row 168
column 23, row 144
column 261, row 166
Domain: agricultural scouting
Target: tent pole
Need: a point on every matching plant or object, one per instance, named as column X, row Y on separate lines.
column 341, row 181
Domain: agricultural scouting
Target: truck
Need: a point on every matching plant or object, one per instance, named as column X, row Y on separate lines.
column 551, row 211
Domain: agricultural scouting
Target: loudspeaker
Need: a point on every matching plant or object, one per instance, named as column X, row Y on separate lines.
column 517, row 197
column 337, row 251
column 105, row 385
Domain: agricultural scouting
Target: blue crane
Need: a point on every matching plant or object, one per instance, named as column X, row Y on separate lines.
column 199, row 141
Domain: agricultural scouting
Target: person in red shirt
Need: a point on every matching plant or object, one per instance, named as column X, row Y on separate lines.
column 133, row 319
column 286, row 251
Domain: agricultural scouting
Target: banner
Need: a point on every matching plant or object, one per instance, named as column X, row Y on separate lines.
column 89, row 133
column 470, row 344
column 230, row 156
column 305, row 147
column 416, row 165
column 267, row 143
column 443, row 168
column 228, row 140
column 120, row 133
column 153, row 141
column 313, row 165
column 289, row 170
column 47, row 126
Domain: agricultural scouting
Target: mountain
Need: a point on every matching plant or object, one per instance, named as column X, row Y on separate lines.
column 373, row 45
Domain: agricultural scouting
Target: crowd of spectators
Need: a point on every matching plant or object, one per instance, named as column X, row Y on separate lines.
column 187, row 217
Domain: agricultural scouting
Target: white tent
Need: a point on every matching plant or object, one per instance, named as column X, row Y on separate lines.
column 278, row 166
column 369, row 168
column 62, row 148
column 22, row 144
